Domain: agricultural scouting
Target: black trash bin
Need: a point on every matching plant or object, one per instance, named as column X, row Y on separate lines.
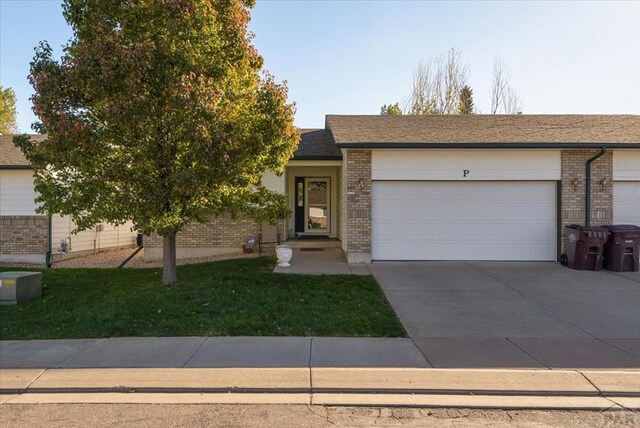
column 622, row 250
column 585, row 249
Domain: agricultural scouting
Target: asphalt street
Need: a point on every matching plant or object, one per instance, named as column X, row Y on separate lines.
column 113, row 415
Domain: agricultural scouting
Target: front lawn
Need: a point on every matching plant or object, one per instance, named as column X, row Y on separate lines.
column 229, row 298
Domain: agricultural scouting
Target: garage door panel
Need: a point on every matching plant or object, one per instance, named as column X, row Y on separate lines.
column 463, row 221
column 626, row 202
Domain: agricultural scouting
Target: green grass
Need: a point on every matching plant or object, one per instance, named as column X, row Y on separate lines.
column 229, row 298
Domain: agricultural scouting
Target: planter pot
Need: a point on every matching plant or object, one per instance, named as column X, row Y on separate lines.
column 284, row 254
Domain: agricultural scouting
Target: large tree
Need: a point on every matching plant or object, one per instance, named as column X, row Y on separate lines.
column 504, row 99
column 437, row 84
column 7, row 111
column 158, row 113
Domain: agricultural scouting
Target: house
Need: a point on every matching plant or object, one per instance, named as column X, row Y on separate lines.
column 459, row 187
column 26, row 236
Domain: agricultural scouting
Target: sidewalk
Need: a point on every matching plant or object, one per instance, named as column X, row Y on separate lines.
column 177, row 352
column 291, row 370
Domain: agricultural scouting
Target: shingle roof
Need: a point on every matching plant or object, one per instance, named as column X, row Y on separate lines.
column 317, row 144
column 479, row 128
column 10, row 155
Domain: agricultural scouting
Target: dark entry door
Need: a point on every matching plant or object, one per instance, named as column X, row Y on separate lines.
column 299, row 211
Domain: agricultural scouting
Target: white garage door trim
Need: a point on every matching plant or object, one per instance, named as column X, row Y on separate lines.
column 460, row 220
column 626, row 202
column 468, row 165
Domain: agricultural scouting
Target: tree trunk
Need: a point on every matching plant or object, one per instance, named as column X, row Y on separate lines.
column 169, row 274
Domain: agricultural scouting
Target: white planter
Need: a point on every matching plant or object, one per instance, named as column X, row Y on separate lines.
column 284, row 254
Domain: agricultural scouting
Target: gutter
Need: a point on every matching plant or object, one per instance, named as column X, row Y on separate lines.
column 316, row 158
column 488, row 145
column 15, row 166
column 587, row 198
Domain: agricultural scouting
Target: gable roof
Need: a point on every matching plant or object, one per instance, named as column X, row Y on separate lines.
column 483, row 129
column 11, row 157
column 316, row 144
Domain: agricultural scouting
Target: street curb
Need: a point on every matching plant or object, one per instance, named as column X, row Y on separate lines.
column 464, row 388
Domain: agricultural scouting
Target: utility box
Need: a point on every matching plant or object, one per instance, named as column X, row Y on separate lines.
column 16, row 287
column 622, row 250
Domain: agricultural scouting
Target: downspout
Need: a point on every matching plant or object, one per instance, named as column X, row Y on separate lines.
column 587, row 199
column 47, row 258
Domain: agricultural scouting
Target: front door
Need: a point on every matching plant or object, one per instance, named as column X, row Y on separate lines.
column 312, row 205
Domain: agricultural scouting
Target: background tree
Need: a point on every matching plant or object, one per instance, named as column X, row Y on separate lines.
column 391, row 110
column 504, row 99
column 437, row 84
column 7, row 111
column 157, row 113
column 466, row 100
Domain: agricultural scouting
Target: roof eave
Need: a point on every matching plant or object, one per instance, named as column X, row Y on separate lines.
column 316, row 158
column 565, row 145
column 15, row 167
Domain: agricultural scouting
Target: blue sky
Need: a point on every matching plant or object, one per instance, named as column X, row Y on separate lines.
column 350, row 57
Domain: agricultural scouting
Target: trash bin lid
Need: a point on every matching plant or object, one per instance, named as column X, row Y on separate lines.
column 589, row 229
column 621, row 227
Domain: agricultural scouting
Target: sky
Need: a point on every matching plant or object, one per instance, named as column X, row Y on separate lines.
column 351, row 57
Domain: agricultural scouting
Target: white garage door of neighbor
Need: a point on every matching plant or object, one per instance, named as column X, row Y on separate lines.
column 626, row 202
column 454, row 220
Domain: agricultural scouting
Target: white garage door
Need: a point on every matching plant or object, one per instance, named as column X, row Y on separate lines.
column 453, row 220
column 626, row 202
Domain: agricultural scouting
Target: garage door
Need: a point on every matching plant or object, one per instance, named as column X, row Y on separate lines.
column 453, row 220
column 626, row 202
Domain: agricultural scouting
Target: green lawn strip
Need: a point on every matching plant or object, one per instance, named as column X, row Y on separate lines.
column 239, row 297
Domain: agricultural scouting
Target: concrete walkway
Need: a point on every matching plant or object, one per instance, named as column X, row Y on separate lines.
column 322, row 261
column 176, row 352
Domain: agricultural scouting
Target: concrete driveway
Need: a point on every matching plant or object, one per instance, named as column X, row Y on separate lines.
column 504, row 314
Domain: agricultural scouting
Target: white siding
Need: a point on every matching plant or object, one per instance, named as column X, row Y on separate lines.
column 272, row 182
column 451, row 164
column 17, row 196
column 626, row 165
column 110, row 237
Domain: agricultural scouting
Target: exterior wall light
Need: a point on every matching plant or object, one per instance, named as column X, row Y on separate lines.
column 360, row 184
column 574, row 184
column 603, row 183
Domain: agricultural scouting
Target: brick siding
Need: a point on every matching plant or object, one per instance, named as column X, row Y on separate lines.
column 219, row 232
column 358, row 205
column 23, row 234
column 573, row 201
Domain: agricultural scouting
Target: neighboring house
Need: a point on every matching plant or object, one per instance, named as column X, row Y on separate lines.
column 459, row 187
column 26, row 236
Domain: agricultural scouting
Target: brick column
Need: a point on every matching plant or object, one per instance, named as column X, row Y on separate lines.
column 358, row 206
column 573, row 201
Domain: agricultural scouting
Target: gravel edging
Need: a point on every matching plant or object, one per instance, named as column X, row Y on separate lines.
column 112, row 258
